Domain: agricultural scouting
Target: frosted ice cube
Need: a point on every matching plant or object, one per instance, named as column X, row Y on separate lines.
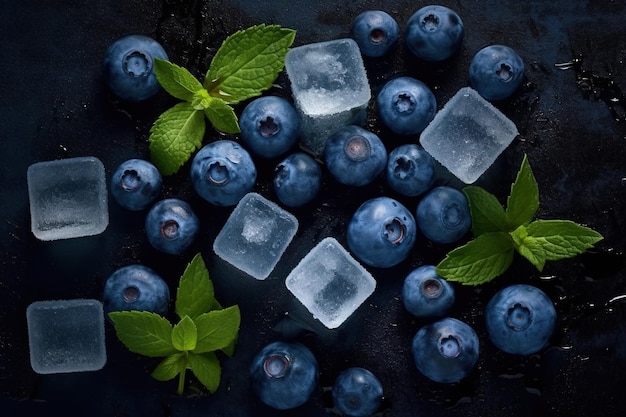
column 255, row 235
column 467, row 135
column 68, row 198
column 329, row 86
column 66, row 336
column 330, row 283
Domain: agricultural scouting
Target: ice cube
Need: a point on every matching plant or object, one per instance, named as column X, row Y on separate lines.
column 255, row 235
column 467, row 135
column 68, row 198
column 66, row 336
column 330, row 283
column 330, row 88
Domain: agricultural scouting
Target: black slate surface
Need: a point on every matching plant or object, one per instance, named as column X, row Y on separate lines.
column 571, row 116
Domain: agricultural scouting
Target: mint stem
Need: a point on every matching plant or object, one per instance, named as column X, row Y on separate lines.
column 181, row 382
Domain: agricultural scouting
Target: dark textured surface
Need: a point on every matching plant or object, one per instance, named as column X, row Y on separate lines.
column 571, row 119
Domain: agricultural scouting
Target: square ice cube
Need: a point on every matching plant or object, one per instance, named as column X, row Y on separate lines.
column 68, row 198
column 66, row 336
column 330, row 283
column 467, row 135
column 329, row 86
column 255, row 235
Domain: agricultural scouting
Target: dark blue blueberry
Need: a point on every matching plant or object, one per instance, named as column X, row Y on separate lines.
column 375, row 31
column 222, row 172
column 284, row 375
column 496, row 71
column 354, row 156
column 410, row 170
column 445, row 351
column 297, row 180
column 425, row 294
column 135, row 287
column 381, row 232
column 129, row 67
column 171, row 226
column 434, row 33
column 136, row 184
column 443, row 215
column 269, row 126
column 406, row 105
column 357, row 392
column 520, row 319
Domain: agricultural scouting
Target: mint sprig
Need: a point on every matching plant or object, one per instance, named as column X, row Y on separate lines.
column 499, row 232
column 204, row 328
column 246, row 64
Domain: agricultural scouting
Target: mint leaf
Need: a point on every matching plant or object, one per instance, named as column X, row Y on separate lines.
column 480, row 260
column 221, row 116
column 206, row 367
column 176, row 80
column 195, row 294
column 217, row 329
column 248, row 62
column 529, row 248
column 487, row 213
column 144, row 332
column 175, row 135
column 185, row 335
column 170, row 367
column 523, row 201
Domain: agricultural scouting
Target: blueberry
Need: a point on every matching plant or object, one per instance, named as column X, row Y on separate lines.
column 354, row 156
column 357, row 392
column 135, row 287
column 520, row 319
column 445, row 351
column 443, row 215
column 496, row 71
column 375, row 31
column 425, row 294
column 381, row 232
column 171, row 226
column 284, row 375
column 136, row 184
column 406, row 105
column 222, row 172
column 434, row 33
column 410, row 170
column 269, row 126
column 129, row 67
column 297, row 180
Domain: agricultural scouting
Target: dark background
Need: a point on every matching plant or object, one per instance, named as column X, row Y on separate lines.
column 571, row 119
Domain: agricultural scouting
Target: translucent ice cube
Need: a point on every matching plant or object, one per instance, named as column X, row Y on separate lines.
column 467, row 135
column 66, row 336
column 255, row 235
column 68, row 198
column 330, row 283
column 329, row 87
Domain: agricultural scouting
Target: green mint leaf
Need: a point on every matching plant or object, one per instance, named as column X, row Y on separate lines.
column 248, row 62
column 222, row 116
column 175, row 135
column 487, row 213
column 480, row 260
column 144, row 333
column 195, row 294
column 176, row 80
column 185, row 335
column 217, row 329
column 206, row 367
column 529, row 248
column 170, row 367
column 201, row 99
column 523, row 201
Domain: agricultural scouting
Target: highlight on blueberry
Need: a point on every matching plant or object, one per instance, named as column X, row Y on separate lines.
column 496, row 71
column 520, row 319
column 129, row 67
column 136, row 184
column 357, row 392
column 425, row 294
column 297, row 180
column 443, row 215
column 434, row 33
column 171, row 226
column 375, row 31
column 406, row 105
column 410, row 170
